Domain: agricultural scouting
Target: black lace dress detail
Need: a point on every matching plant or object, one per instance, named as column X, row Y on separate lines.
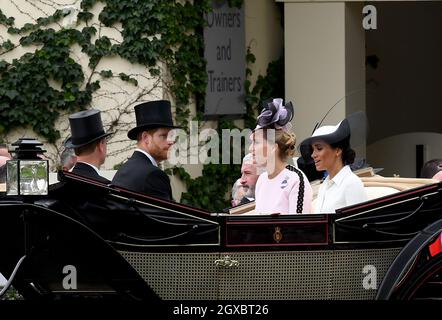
column 300, row 203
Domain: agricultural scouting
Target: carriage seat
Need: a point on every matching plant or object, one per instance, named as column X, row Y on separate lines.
column 378, row 186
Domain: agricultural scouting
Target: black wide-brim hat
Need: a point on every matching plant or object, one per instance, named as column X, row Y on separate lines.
column 328, row 134
column 152, row 115
column 86, row 127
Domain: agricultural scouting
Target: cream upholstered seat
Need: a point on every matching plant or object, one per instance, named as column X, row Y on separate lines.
column 397, row 183
column 378, row 192
column 378, row 186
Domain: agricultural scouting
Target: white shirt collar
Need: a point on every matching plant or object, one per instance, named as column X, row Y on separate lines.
column 90, row 165
column 340, row 176
column 148, row 155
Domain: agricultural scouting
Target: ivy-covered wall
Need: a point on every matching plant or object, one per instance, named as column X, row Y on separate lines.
column 57, row 57
column 60, row 56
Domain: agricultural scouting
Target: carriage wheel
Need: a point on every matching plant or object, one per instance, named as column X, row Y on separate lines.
column 424, row 284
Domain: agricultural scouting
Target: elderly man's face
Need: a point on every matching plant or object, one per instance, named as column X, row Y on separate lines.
column 249, row 176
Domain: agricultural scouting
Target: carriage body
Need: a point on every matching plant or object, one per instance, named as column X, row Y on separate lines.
column 127, row 245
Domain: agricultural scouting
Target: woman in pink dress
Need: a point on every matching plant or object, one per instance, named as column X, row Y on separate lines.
column 281, row 188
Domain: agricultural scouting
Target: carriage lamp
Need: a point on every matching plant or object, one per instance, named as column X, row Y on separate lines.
column 27, row 173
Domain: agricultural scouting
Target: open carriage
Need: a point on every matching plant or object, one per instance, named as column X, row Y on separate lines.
column 124, row 245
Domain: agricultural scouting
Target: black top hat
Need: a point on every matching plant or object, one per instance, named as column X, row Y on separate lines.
column 86, row 127
column 328, row 134
column 151, row 115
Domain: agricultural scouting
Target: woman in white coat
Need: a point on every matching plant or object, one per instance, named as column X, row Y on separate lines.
column 329, row 146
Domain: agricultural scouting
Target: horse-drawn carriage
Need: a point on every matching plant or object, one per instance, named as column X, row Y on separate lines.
column 86, row 239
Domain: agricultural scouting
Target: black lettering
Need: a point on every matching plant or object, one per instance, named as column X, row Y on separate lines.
column 238, row 80
column 223, row 83
column 210, row 72
column 218, row 19
column 209, row 21
column 229, row 50
column 224, row 52
column 218, row 84
column 223, row 20
column 230, row 20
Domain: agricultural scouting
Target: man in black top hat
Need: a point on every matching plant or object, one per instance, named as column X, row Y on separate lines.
column 141, row 173
column 89, row 143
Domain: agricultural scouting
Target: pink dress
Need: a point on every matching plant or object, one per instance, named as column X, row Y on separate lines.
column 280, row 194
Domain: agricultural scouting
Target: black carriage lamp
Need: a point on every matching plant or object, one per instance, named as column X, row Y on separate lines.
column 27, row 173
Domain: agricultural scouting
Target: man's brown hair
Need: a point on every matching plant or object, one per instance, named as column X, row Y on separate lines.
column 87, row 149
column 149, row 131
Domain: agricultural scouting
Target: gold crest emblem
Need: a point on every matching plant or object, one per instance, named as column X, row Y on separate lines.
column 277, row 236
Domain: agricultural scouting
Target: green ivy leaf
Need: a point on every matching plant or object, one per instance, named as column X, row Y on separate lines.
column 106, row 73
column 84, row 16
column 154, row 72
column 69, row 97
column 87, row 4
column 11, row 94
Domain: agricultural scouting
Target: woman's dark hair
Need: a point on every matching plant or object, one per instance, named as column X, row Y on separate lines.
column 348, row 154
column 430, row 168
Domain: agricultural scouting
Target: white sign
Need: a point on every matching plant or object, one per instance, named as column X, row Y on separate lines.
column 224, row 51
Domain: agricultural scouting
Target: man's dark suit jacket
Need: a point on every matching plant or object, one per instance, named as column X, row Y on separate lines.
column 140, row 175
column 87, row 171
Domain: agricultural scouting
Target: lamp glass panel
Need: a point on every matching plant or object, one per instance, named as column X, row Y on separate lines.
column 33, row 177
column 11, row 178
